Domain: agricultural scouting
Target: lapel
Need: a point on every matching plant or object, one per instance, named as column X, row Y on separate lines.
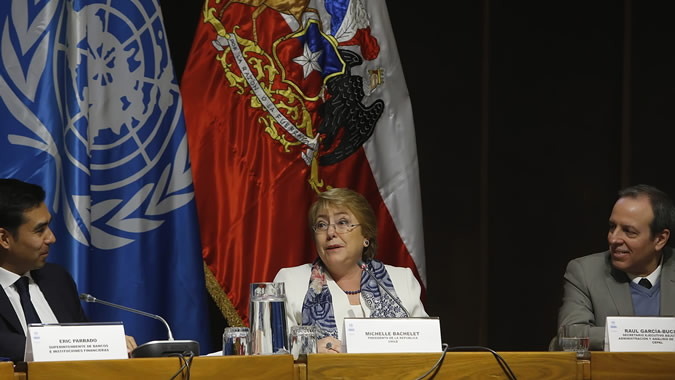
column 8, row 314
column 668, row 284
column 619, row 290
column 52, row 292
column 340, row 304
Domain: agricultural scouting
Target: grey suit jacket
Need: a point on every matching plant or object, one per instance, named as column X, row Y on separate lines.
column 593, row 290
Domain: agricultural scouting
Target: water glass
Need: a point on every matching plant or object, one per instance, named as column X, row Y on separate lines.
column 267, row 317
column 302, row 340
column 575, row 338
column 236, row 341
column 263, row 291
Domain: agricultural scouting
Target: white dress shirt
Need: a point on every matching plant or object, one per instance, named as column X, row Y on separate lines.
column 7, row 280
column 653, row 277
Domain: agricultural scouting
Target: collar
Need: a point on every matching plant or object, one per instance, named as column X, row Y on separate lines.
column 652, row 277
column 8, row 278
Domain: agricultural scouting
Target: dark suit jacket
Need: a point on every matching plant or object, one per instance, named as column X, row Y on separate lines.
column 60, row 292
column 594, row 290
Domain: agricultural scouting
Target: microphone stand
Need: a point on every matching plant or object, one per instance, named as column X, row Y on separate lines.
column 155, row 348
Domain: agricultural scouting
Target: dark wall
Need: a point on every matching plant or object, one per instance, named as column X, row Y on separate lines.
column 441, row 54
column 555, row 122
column 529, row 117
column 653, row 96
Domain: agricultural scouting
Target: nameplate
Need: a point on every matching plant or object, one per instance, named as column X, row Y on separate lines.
column 382, row 335
column 636, row 334
column 77, row 341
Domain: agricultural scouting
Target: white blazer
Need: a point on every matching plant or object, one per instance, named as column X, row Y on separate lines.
column 297, row 282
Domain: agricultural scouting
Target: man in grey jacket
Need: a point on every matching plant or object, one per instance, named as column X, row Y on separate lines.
column 636, row 276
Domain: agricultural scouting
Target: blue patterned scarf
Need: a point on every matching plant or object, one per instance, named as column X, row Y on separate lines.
column 317, row 308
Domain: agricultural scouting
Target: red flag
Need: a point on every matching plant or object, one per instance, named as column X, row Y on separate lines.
column 284, row 99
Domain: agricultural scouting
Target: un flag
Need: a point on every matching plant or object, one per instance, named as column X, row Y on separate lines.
column 91, row 111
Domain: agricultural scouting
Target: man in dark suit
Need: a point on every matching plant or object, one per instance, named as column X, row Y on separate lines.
column 34, row 291
column 636, row 276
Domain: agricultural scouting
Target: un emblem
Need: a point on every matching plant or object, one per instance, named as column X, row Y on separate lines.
column 120, row 151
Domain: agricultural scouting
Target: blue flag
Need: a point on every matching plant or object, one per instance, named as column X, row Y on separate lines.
column 90, row 110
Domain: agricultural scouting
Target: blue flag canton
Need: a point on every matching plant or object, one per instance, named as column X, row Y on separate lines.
column 309, row 58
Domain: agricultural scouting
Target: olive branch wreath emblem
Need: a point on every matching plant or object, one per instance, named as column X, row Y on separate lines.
column 164, row 196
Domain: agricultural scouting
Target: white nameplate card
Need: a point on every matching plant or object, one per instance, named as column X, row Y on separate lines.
column 637, row 334
column 75, row 341
column 381, row 335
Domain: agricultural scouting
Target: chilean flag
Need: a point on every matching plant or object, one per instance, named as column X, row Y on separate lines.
column 283, row 100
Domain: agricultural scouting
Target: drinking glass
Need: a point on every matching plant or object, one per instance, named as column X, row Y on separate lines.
column 302, row 340
column 575, row 337
column 236, row 341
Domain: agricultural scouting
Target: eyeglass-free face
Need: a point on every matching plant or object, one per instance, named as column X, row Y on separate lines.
column 634, row 249
column 339, row 241
column 28, row 250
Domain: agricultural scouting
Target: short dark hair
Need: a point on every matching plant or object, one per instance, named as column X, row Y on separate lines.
column 662, row 206
column 15, row 198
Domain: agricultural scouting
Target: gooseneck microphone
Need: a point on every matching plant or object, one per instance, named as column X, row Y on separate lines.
column 363, row 266
column 89, row 298
column 154, row 348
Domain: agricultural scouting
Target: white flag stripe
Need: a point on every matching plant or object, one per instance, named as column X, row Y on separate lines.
column 391, row 151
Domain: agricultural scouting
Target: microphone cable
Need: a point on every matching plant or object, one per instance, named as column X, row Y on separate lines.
column 438, row 363
column 502, row 363
column 186, row 364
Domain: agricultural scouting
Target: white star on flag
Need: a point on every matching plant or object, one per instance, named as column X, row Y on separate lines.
column 308, row 60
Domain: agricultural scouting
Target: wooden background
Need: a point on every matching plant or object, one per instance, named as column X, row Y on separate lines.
column 529, row 117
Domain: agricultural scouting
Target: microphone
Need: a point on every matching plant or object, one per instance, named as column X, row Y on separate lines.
column 155, row 348
column 363, row 266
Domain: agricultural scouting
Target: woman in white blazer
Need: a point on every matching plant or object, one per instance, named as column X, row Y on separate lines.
column 335, row 286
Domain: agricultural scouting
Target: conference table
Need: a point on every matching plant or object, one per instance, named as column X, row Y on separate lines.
column 455, row 365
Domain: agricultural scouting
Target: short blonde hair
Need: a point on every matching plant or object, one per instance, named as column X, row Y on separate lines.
column 357, row 205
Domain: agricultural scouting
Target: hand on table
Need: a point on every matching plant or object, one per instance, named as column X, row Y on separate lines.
column 329, row 345
column 131, row 344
